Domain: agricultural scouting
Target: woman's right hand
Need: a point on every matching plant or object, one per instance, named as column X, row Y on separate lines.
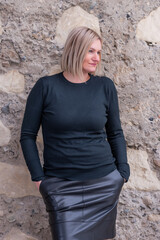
column 38, row 184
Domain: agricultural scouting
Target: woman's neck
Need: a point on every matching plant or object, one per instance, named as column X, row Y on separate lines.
column 75, row 79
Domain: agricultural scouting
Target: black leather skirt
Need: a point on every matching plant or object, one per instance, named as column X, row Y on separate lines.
column 82, row 210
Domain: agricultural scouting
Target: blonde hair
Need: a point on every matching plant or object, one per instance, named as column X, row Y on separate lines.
column 75, row 49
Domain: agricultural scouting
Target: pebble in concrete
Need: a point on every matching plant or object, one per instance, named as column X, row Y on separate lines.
column 148, row 28
column 5, row 134
column 12, row 82
column 71, row 18
column 18, row 235
column 142, row 177
column 18, row 184
column 1, row 29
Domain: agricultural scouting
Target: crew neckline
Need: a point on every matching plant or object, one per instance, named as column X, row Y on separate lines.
column 76, row 84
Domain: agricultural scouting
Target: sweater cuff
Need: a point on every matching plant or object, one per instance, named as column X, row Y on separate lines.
column 124, row 170
column 40, row 178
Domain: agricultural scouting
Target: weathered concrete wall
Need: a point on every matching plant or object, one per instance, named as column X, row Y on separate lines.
column 32, row 34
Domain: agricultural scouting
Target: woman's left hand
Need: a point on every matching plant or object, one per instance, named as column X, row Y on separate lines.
column 38, row 184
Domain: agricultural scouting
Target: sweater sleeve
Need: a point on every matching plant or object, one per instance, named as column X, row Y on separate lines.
column 29, row 129
column 115, row 134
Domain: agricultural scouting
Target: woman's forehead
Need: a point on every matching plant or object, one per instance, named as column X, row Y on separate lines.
column 96, row 44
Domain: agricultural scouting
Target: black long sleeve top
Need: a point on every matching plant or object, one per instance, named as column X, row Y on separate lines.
column 82, row 133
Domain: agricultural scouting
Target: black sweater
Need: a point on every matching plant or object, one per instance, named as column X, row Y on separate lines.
column 82, row 133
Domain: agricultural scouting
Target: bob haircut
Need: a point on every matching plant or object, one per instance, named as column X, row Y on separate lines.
column 75, row 49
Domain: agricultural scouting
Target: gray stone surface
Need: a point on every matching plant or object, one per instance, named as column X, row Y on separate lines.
column 28, row 45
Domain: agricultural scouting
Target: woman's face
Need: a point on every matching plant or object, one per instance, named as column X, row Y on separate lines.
column 92, row 57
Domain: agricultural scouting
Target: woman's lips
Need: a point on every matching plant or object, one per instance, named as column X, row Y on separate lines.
column 93, row 64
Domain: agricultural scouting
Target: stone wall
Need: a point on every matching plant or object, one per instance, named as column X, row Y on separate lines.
column 32, row 34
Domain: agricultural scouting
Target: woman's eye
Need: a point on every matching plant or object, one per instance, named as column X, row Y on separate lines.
column 90, row 50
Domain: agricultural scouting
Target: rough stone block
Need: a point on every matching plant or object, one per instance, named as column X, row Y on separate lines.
column 148, row 29
column 71, row 18
column 16, row 181
column 142, row 177
column 12, row 82
column 16, row 234
column 5, row 135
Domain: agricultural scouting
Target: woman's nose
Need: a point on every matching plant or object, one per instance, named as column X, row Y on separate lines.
column 96, row 57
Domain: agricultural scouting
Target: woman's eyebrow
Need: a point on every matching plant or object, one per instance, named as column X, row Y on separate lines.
column 95, row 49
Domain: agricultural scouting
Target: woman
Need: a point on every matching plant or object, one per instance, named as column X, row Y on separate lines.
column 85, row 163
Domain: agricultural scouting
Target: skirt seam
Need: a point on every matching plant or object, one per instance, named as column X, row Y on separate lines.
column 79, row 221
